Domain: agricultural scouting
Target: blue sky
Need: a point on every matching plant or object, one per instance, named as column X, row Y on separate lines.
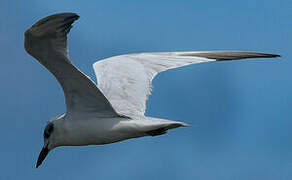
column 242, row 108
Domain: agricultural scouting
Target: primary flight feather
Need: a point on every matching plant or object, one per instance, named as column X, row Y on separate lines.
column 112, row 110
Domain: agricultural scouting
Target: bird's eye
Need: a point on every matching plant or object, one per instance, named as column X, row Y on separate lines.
column 48, row 130
column 46, row 135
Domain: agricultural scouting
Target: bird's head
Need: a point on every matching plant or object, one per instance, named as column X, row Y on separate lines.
column 50, row 136
column 48, row 144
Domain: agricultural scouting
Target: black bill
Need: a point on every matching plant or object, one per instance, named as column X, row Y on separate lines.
column 43, row 154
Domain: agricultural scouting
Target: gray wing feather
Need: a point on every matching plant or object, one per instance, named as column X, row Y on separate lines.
column 126, row 80
column 46, row 40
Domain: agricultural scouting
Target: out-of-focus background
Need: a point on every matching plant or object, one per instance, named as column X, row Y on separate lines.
column 242, row 108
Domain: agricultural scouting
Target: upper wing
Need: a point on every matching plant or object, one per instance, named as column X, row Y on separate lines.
column 126, row 80
column 47, row 42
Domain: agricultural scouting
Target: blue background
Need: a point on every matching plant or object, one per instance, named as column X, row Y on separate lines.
column 242, row 108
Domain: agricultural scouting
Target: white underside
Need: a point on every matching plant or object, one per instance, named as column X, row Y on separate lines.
column 90, row 131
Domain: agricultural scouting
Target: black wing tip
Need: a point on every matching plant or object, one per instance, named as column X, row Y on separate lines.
column 269, row 55
column 69, row 15
column 247, row 56
column 65, row 16
column 59, row 23
column 276, row 55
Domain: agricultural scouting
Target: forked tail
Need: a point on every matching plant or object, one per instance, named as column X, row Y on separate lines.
column 161, row 126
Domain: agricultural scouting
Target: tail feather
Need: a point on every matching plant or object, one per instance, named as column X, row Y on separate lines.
column 161, row 126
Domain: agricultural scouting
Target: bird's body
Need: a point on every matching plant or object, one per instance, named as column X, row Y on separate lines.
column 112, row 110
column 93, row 130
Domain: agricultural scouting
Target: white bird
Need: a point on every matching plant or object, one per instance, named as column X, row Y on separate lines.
column 114, row 109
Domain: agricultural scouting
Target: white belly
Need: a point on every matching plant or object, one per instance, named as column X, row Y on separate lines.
column 93, row 131
column 101, row 131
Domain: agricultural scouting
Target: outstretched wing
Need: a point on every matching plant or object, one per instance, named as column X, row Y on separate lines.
column 47, row 42
column 126, row 80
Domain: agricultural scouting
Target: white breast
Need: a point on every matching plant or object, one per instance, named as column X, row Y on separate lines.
column 94, row 132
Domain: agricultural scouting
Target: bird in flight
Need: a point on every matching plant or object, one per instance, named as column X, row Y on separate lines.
column 112, row 110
